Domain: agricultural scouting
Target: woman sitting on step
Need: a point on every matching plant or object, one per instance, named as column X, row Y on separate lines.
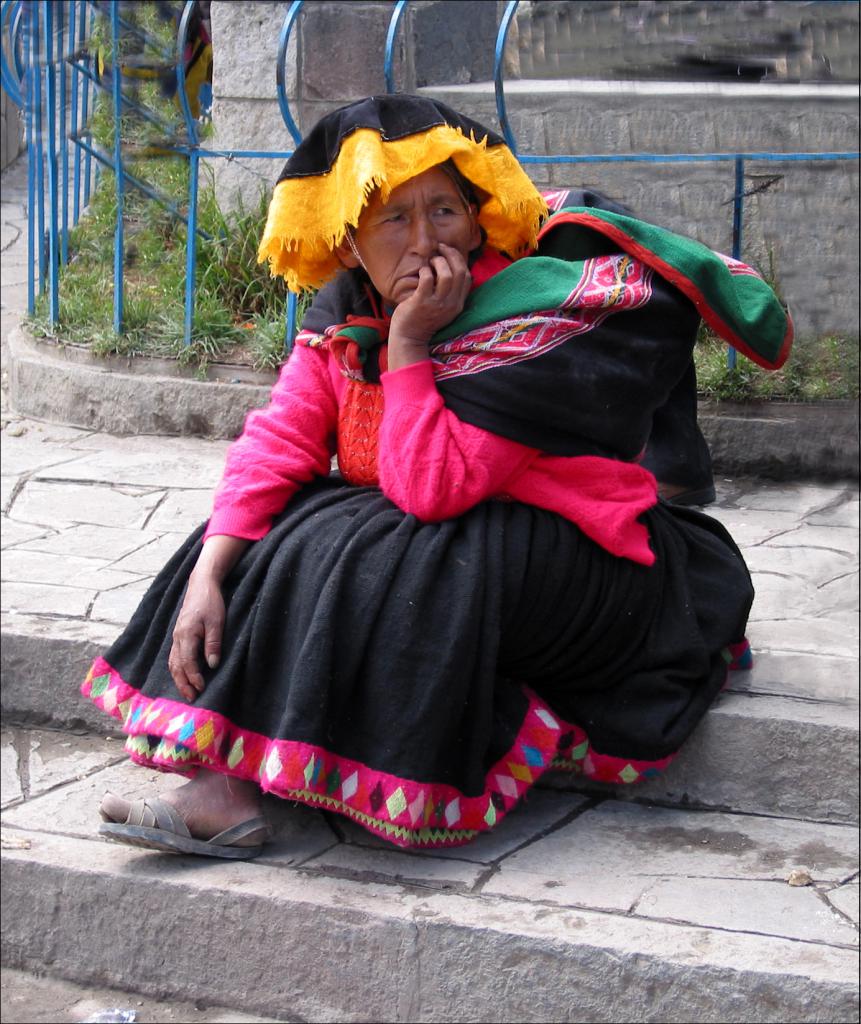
column 490, row 586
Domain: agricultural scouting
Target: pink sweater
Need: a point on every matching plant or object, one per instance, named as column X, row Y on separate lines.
column 430, row 463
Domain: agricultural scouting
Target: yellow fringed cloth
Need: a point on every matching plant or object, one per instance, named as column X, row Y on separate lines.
column 380, row 143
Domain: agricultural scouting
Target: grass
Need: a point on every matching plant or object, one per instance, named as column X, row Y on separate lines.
column 239, row 309
column 818, row 369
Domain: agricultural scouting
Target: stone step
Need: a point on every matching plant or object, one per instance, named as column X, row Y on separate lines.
column 783, row 739
column 575, row 908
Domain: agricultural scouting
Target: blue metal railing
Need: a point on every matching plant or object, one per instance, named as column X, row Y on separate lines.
column 46, row 38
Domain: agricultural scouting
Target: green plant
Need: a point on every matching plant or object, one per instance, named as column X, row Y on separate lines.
column 817, row 369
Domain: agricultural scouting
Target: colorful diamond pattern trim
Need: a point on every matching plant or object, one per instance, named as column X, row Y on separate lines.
column 168, row 735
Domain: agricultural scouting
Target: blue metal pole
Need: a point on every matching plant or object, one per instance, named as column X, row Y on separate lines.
column 30, row 74
column 51, row 113
column 737, row 224
column 85, row 105
column 280, row 70
column 40, row 166
column 290, row 323
column 191, row 245
column 501, row 37
column 63, row 49
column 119, row 179
column 75, row 126
column 388, row 65
column 193, row 173
column 287, row 117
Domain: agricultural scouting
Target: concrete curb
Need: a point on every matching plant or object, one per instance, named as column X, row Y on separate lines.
column 426, row 956
column 777, row 440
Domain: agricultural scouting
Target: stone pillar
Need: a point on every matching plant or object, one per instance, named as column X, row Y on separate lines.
column 336, row 54
column 11, row 130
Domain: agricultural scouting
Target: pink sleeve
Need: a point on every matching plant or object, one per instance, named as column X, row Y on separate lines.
column 431, row 463
column 281, row 447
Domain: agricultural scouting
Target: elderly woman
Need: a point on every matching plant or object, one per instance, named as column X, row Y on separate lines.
column 490, row 585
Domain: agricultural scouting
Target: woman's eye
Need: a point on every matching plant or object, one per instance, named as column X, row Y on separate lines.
column 395, row 218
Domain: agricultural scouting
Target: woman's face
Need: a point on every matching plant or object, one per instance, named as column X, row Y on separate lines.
column 396, row 239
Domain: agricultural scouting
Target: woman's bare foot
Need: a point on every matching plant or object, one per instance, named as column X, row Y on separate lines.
column 208, row 804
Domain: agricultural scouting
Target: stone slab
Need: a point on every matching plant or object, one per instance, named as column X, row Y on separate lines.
column 117, row 606
column 845, row 899
column 379, row 865
column 844, row 514
column 150, row 558
column 45, row 599
column 111, row 542
column 7, row 491
column 47, row 759
column 616, row 841
column 156, row 469
column 766, row 908
column 70, row 571
column 804, row 676
column 14, row 533
column 182, row 513
column 840, row 539
column 453, row 956
column 818, row 565
column 56, row 504
column 806, row 636
column 31, row 452
column 10, row 790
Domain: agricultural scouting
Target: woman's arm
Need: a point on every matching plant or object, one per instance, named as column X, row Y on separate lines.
column 430, row 463
column 283, row 446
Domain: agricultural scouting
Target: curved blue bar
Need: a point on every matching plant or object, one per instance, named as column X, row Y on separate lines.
column 11, row 81
column 280, row 77
column 181, row 38
column 397, row 14
column 501, row 36
column 16, row 36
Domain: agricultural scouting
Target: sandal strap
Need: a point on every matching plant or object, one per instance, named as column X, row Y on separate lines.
column 236, row 832
column 154, row 813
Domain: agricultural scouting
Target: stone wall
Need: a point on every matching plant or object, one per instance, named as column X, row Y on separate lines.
column 695, row 39
column 801, row 220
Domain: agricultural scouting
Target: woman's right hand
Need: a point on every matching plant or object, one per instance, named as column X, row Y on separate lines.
column 201, row 617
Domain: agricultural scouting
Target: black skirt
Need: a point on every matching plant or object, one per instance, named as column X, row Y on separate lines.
column 420, row 677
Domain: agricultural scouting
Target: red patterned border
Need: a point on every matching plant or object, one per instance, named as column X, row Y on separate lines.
column 171, row 735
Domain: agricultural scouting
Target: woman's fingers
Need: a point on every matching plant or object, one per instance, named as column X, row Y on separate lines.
column 177, row 665
column 213, row 629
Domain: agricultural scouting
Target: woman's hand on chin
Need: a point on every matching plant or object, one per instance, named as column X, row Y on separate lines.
column 437, row 299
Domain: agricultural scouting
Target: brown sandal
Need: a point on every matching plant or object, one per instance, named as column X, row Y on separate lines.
column 156, row 825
